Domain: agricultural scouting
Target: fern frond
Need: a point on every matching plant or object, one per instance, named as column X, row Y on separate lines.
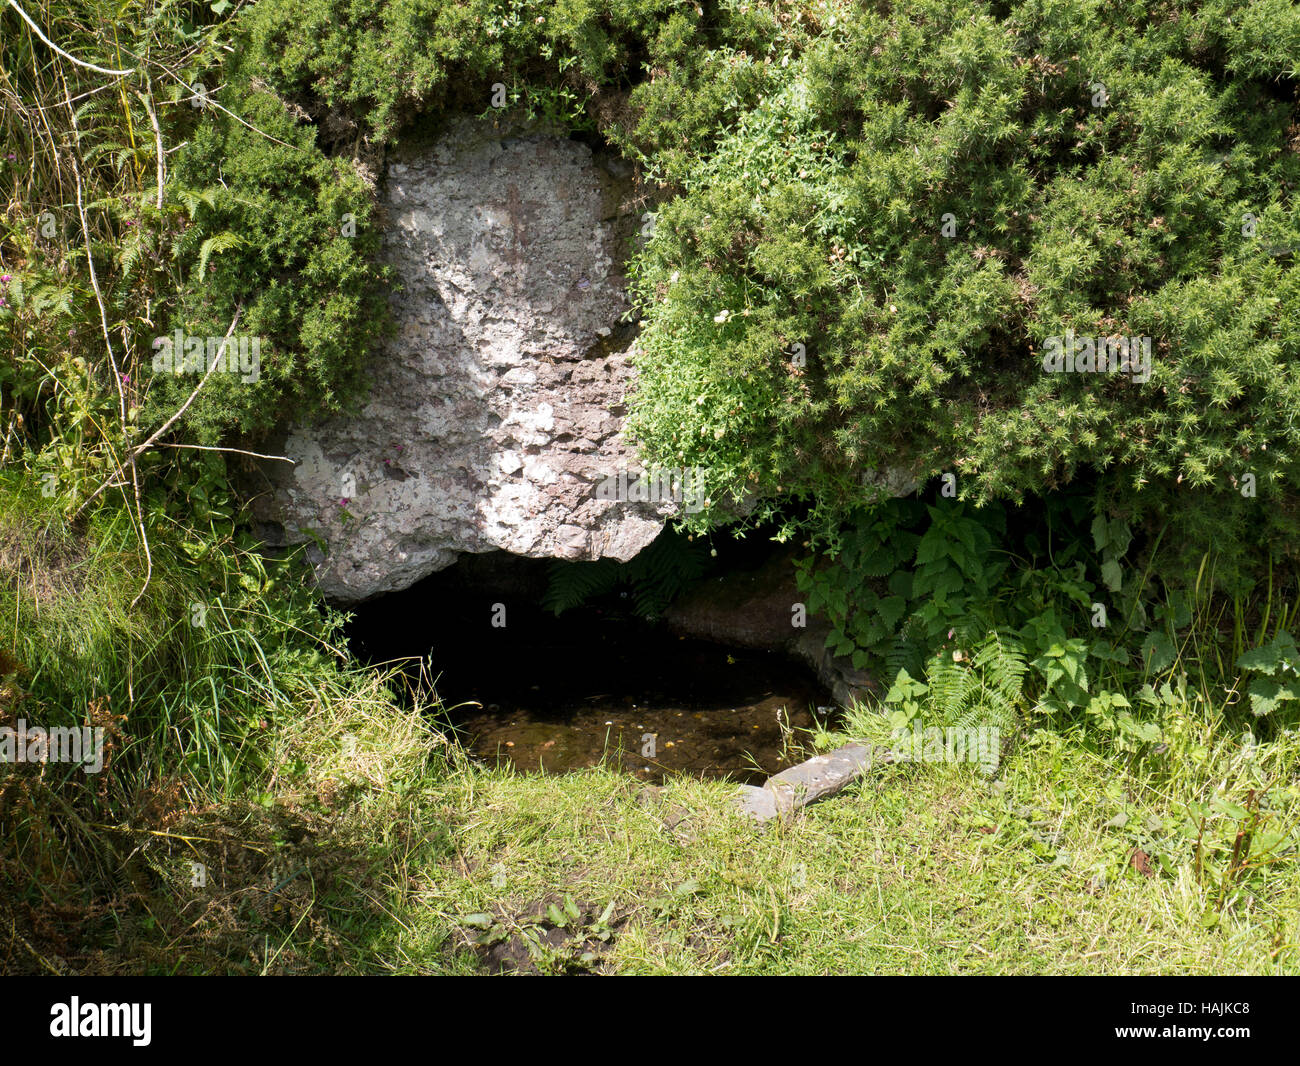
column 572, row 584
column 218, row 242
column 657, row 575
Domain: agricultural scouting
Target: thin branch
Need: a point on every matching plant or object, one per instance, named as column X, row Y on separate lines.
column 216, row 362
column 108, row 342
column 140, row 449
column 236, row 451
column 20, row 106
column 71, row 58
column 209, row 102
column 147, row 100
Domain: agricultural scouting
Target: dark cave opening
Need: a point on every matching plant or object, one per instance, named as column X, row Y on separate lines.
column 599, row 684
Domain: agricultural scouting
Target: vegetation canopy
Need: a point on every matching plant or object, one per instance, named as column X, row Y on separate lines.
column 993, row 308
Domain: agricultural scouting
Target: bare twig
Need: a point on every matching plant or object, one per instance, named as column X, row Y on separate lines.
column 236, row 451
column 71, row 58
column 221, row 351
column 108, row 342
column 140, row 449
column 209, row 102
column 147, row 100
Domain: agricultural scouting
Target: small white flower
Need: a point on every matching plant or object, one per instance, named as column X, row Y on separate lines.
column 722, row 316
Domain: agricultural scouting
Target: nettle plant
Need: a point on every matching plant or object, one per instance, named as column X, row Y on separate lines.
column 1274, row 672
column 896, row 581
column 980, row 612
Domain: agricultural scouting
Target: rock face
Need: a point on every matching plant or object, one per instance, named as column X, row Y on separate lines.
column 496, row 409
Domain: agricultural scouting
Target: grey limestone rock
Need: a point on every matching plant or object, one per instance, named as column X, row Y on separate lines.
column 496, row 409
column 817, row 778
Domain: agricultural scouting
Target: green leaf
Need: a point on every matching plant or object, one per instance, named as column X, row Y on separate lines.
column 891, row 609
column 905, row 687
column 1157, row 652
column 1100, row 532
column 477, row 920
column 215, row 244
column 1266, row 693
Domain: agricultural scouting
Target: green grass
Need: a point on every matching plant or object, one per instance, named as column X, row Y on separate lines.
column 922, row 869
column 926, row 870
column 338, row 833
column 359, row 841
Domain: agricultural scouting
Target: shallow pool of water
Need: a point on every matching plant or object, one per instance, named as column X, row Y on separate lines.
column 597, row 685
column 706, row 711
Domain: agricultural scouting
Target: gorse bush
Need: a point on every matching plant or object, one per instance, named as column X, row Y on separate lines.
column 374, row 65
column 897, row 211
column 875, row 234
column 185, row 214
column 879, row 228
column 880, row 222
column 298, row 263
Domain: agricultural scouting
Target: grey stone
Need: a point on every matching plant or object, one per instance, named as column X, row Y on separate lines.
column 817, row 778
column 757, row 802
column 490, row 418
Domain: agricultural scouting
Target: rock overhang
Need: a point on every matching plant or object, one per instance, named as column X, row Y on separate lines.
column 494, row 410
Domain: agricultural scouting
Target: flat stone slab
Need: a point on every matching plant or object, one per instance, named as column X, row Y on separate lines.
column 819, row 777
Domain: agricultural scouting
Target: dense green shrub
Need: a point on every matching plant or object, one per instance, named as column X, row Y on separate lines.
column 373, row 65
column 876, row 223
column 280, row 176
column 817, row 219
column 989, row 612
column 296, row 252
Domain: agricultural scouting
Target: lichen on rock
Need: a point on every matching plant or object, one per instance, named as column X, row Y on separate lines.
column 497, row 407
